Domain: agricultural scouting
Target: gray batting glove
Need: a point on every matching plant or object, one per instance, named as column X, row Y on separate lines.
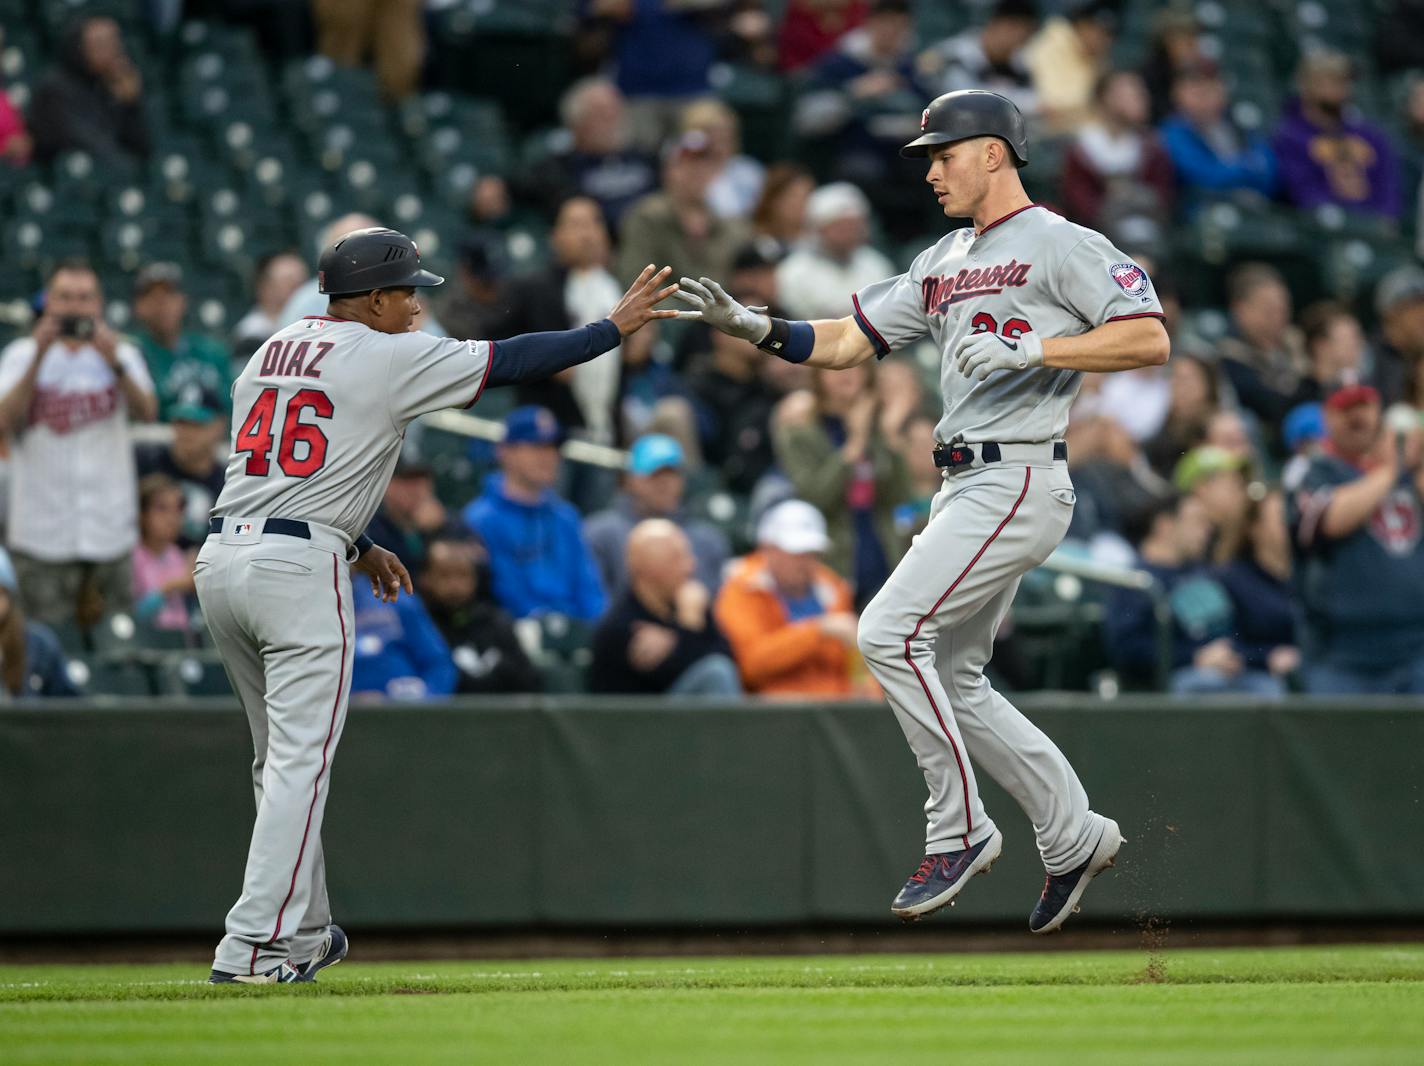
column 979, row 354
column 720, row 311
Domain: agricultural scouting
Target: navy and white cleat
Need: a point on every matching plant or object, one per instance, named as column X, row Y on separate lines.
column 1061, row 892
column 941, row 876
column 282, row 974
column 332, row 951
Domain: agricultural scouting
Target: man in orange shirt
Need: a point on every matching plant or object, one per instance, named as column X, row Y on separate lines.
column 786, row 614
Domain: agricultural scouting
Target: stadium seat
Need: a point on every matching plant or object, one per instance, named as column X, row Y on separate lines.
column 193, row 674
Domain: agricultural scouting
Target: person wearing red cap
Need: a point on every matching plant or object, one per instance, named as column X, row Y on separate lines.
column 1356, row 515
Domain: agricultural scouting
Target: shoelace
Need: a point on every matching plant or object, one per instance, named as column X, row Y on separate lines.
column 927, row 866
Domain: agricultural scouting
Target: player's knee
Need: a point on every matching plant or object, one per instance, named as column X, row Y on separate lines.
column 875, row 639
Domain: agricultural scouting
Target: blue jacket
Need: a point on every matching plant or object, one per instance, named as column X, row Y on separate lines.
column 399, row 652
column 539, row 559
column 1203, row 175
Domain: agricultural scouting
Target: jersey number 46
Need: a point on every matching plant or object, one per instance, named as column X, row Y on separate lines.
column 255, row 437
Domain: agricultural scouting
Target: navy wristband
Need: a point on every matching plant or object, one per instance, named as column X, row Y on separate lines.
column 363, row 545
column 792, row 341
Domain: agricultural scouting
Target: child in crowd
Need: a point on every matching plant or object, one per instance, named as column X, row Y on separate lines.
column 162, row 572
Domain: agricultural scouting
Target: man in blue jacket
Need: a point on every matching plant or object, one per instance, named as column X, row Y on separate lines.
column 539, row 559
column 399, row 654
column 1213, row 157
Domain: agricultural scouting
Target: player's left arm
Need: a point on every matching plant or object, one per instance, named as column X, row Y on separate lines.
column 1124, row 344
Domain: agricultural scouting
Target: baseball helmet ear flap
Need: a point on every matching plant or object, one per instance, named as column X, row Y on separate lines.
column 373, row 258
column 967, row 113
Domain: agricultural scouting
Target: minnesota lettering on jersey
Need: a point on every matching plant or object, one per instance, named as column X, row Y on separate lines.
column 940, row 291
column 64, row 412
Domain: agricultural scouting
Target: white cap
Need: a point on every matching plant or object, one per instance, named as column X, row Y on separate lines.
column 839, row 199
column 793, row 526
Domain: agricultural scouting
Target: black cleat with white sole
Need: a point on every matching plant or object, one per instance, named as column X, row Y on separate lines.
column 942, row 875
column 1061, row 892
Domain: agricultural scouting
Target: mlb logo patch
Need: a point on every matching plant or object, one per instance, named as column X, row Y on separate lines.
column 242, row 529
column 1131, row 277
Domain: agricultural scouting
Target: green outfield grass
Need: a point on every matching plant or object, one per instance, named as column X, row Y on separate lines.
column 1315, row 1005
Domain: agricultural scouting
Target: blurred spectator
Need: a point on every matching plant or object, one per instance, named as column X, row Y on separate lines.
column 16, row 144
column 162, row 571
column 1258, row 582
column 1216, row 478
column 1138, row 399
column 734, row 401
column 1212, row 156
column 1176, row 48
column 1067, row 58
column 786, row 614
column 483, row 645
column 190, row 460
column 1196, row 396
column 736, row 188
column 838, row 460
column 278, row 276
column 653, row 488
column 988, row 57
column 1204, row 658
column 31, row 661
column 1398, row 351
column 1356, row 519
column 926, row 479
column 398, row 653
column 659, row 635
column 93, row 100
column 410, row 514
column 675, row 225
column 780, row 214
column 1227, row 430
column 66, row 394
column 862, row 101
column 540, row 561
column 1328, row 153
column 1116, row 174
column 1334, row 343
column 390, row 32
column 1114, row 482
column 475, row 303
column 663, row 51
column 811, row 28
column 308, row 299
column 177, row 360
column 1263, row 355
column 576, row 288
column 816, row 280
column 596, row 159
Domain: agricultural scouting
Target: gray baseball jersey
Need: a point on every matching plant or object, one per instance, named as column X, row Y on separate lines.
column 321, row 409
column 1032, row 270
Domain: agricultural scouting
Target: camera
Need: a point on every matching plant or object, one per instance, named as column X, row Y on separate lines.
column 76, row 327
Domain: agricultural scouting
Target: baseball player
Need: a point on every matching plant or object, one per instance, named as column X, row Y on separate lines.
column 1021, row 304
column 319, row 414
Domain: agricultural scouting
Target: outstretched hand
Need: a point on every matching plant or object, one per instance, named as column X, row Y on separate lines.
column 635, row 310
column 387, row 573
column 717, row 309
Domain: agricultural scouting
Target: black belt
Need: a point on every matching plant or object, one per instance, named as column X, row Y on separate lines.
column 953, row 456
column 287, row 527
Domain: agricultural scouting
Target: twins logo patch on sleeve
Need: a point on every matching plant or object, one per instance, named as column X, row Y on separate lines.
column 1131, row 277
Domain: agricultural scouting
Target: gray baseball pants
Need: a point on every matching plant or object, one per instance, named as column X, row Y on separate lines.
column 279, row 609
column 929, row 632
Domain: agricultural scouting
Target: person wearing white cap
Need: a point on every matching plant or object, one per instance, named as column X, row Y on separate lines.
column 786, row 614
column 816, row 281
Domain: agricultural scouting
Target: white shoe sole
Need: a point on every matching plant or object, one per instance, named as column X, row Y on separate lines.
column 980, row 865
column 1104, row 855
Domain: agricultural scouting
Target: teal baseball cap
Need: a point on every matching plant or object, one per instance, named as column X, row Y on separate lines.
column 194, row 403
column 654, row 452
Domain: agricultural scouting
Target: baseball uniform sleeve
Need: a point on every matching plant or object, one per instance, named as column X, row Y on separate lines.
column 891, row 313
column 431, row 373
column 1101, row 284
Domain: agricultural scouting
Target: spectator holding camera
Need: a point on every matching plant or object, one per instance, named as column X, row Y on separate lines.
column 659, row 636
column 67, row 392
column 1356, row 517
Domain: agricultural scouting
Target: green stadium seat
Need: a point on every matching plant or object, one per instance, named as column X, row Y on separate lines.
column 96, row 676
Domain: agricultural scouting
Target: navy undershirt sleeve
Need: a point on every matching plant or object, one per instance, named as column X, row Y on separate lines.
column 534, row 356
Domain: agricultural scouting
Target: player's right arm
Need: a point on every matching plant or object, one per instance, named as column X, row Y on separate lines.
column 830, row 343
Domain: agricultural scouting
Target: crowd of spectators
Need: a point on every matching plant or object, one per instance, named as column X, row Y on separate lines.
column 1257, row 476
